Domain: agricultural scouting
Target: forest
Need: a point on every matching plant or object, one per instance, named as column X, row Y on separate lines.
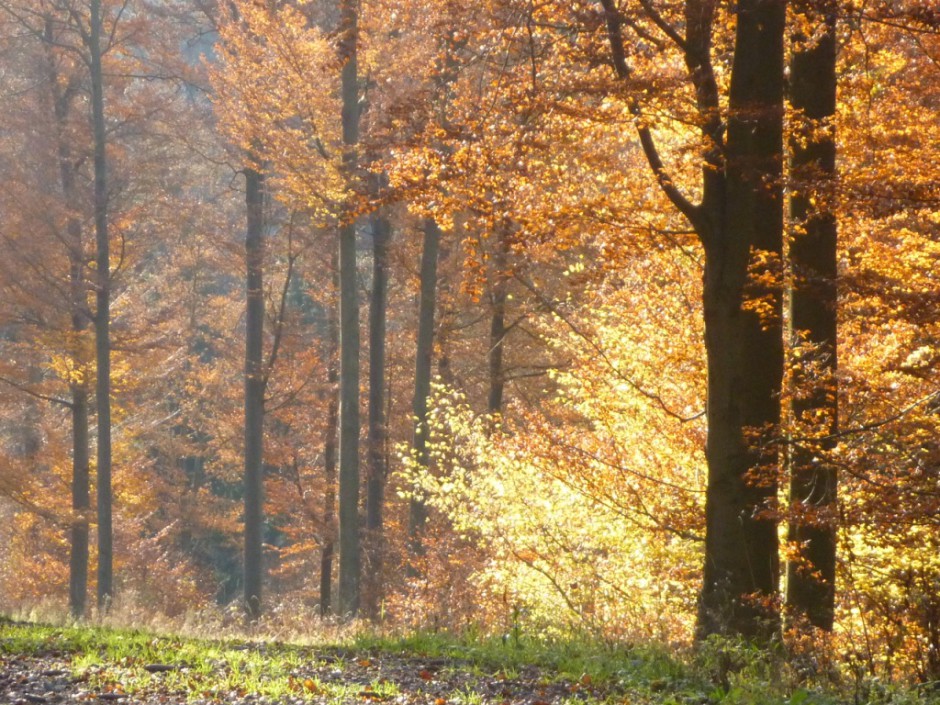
column 616, row 319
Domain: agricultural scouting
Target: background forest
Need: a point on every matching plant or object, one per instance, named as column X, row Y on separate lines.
column 411, row 310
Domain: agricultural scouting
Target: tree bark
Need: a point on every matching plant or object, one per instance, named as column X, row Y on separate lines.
column 740, row 224
column 375, row 493
column 81, row 503
column 350, row 561
column 81, row 482
column 744, row 345
column 813, row 316
column 424, row 349
column 102, row 313
column 329, row 476
column 330, row 448
column 498, row 297
column 253, row 577
column 81, row 495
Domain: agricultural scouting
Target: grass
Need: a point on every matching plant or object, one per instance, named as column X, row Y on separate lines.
column 468, row 671
column 106, row 656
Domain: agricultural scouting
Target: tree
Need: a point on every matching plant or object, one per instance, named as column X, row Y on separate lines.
column 350, row 563
column 80, row 35
column 63, row 92
column 102, row 310
column 424, row 358
column 330, row 443
column 740, row 224
column 498, row 329
column 378, row 424
column 255, row 377
column 813, row 253
column 275, row 44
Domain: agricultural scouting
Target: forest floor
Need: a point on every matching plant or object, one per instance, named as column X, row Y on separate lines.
column 349, row 678
column 40, row 664
column 80, row 664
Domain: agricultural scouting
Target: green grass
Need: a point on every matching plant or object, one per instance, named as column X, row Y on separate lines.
column 574, row 671
column 113, row 655
column 571, row 660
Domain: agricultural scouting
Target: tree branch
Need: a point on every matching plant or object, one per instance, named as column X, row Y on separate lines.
column 666, row 28
column 619, row 60
column 282, row 305
column 36, row 395
column 576, row 329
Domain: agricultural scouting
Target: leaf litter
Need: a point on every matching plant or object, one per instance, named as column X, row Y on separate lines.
column 322, row 676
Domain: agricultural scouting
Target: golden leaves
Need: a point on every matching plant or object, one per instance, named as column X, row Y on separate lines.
column 278, row 99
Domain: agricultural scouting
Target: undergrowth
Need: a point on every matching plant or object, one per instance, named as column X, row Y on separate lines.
column 720, row 671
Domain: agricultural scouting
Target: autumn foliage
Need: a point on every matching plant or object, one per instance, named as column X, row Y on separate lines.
column 588, row 170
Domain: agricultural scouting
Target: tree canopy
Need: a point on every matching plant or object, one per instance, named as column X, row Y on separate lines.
column 638, row 301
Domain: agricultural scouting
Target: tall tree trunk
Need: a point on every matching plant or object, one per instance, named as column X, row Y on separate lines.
column 329, row 473
column 744, row 345
column 330, row 448
column 102, row 313
column 254, row 393
column 498, row 297
column 375, row 494
column 81, row 495
column 418, row 512
column 350, row 561
column 811, row 581
column 81, row 502
column 740, row 225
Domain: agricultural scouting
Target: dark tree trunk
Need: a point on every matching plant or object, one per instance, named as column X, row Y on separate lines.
column 330, row 440
column 498, row 297
column 375, row 494
column 81, row 495
column 745, row 348
column 329, row 479
column 102, row 314
column 349, row 539
column 740, row 225
column 424, row 350
column 811, row 583
column 254, row 393
column 350, row 561
column 81, row 503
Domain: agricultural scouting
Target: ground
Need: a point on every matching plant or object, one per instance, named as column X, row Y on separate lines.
column 82, row 664
column 57, row 666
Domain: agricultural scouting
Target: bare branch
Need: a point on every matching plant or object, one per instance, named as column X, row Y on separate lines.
column 36, row 395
